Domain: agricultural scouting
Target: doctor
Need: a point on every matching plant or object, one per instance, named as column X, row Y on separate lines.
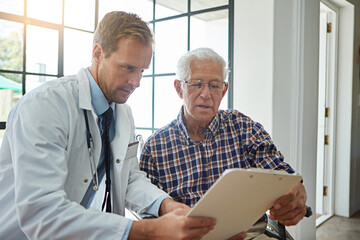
column 51, row 175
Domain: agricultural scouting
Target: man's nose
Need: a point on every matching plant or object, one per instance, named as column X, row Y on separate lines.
column 205, row 91
column 134, row 80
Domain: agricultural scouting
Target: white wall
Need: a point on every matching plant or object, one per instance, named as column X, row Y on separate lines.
column 253, row 57
column 305, row 55
column 282, row 75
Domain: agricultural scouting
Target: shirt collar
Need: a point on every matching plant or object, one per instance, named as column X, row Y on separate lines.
column 209, row 131
column 213, row 127
column 98, row 98
column 182, row 127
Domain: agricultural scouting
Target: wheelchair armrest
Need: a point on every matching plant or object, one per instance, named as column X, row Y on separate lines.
column 277, row 230
column 308, row 211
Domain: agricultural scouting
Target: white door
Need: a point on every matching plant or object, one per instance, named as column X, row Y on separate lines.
column 326, row 111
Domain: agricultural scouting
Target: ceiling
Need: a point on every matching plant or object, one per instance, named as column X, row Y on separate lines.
column 181, row 7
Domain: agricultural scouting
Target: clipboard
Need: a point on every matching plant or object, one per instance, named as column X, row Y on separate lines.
column 240, row 197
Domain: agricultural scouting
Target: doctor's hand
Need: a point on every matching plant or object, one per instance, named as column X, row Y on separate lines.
column 173, row 225
column 290, row 208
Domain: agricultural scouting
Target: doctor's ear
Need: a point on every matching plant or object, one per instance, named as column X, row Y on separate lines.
column 97, row 53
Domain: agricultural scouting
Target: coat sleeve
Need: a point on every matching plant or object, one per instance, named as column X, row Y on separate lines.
column 39, row 138
column 141, row 193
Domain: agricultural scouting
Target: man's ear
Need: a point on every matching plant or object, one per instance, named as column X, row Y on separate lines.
column 178, row 88
column 225, row 89
column 97, row 53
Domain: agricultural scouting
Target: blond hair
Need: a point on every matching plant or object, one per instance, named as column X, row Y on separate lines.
column 116, row 25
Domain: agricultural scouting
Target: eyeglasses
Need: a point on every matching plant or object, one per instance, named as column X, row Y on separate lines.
column 196, row 85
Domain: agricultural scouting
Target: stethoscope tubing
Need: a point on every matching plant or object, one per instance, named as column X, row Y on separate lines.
column 90, row 145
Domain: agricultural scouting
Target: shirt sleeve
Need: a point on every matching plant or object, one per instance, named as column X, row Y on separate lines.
column 127, row 230
column 262, row 152
column 147, row 165
column 153, row 209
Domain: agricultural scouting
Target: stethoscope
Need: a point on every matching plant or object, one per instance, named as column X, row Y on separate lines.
column 90, row 145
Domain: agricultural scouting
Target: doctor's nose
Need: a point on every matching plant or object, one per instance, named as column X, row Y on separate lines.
column 135, row 80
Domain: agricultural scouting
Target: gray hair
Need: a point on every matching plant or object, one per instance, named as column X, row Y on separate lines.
column 183, row 66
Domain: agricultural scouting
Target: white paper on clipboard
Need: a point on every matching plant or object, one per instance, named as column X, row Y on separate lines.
column 240, row 197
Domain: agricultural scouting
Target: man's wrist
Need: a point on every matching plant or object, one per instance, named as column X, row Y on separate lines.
column 154, row 208
column 169, row 205
column 164, row 206
column 141, row 230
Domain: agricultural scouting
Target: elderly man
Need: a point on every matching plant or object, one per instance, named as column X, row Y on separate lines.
column 188, row 155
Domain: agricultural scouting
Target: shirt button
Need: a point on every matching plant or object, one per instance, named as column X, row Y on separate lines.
column 117, row 160
column 86, row 180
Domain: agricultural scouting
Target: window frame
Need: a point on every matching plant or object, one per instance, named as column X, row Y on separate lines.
column 60, row 28
column 25, row 20
column 189, row 14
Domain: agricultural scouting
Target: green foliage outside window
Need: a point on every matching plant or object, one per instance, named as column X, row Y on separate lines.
column 11, row 55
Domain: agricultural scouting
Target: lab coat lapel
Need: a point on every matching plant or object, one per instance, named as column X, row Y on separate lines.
column 122, row 133
column 85, row 103
column 119, row 147
column 84, row 91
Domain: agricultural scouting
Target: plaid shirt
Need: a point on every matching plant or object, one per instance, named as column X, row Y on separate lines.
column 186, row 169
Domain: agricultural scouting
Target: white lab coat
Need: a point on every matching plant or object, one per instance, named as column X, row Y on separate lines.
column 45, row 168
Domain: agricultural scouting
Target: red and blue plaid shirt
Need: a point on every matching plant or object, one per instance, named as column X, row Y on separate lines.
column 186, row 169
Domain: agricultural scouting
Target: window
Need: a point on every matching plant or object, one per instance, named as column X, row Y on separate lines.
column 178, row 26
column 38, row 42
column 40, row 45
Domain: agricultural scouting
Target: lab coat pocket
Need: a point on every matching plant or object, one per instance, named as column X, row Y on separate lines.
column 132, row 150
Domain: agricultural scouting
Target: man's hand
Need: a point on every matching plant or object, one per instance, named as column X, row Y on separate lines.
column 174, row 225
column 169, row 205
column 290, row 208
column 239, row 236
